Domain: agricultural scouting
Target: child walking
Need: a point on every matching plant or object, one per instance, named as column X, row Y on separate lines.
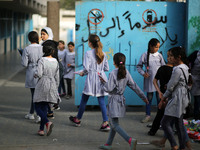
column 178, row 99
column 94, row 61
column 119, row 78
column 70, row 68
column 30, row 57
column 162, row 76
column 46, row 90
column 61, row 56
column 152, row 60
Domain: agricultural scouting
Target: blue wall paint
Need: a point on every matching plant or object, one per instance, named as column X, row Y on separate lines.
column 122, row 26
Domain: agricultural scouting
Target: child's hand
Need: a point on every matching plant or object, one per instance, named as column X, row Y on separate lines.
column 81, row 73
column 68, row 65
column 146, row 75
column 146, row 101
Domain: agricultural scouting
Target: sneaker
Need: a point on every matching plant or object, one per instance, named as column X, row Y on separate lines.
column 49, row 126
column 56, row 107
column 105, row 127
column 146, row 119
column 157, row 144
column 50, row 116
column 133, row 144
column 75, row 121
column 41, row 132
column 105, row 146
column 30, row 116
column 38, row 119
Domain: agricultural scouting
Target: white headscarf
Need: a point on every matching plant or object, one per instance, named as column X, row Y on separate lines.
column 49, row 32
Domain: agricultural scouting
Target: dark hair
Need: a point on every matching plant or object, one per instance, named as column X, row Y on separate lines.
column 96, row 43
column 152, row 42
column 120, row 60
column 33, row 37
column 70, row 43
column 61, row 41
column 54, row 46
column 179, row 51
column 48, row 50
column 44, row 31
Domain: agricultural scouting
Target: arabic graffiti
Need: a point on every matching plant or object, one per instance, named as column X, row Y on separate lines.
column 150, row 22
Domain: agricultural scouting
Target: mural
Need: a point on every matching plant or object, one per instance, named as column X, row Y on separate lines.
column 127, row 27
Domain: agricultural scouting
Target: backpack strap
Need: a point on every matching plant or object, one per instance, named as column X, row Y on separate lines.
column 186, row 83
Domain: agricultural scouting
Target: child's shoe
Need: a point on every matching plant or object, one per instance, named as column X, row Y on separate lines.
column 146, row 119
column 75, row 121
column 50, row 116
column 38, row 119
column 41, row 132
column 105, row 127
column 30, row 116
column 56, row 107
column 105, row 146
column 133, row 143
column 49, row 126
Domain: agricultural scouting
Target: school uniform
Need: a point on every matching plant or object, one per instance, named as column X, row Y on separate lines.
column 116, row 102
column 155, row 61
column 115, row 88
column 61, row 57
column 69, row 70
column 93, row 83
column 30, row 57
column 46, row 89
column 91, row 68
column 178, row 101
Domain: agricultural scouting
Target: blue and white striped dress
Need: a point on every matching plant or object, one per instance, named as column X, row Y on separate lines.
column 91, row 68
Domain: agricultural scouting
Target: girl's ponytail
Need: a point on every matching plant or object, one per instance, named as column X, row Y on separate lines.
column 119, row 60
column 98, row 46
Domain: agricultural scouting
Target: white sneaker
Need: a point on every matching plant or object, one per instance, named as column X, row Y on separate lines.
column 30, row 116
column 146, row 119
column 38, row 119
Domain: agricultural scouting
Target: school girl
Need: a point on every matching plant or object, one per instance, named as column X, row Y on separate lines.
column 178, row 99
column 94, row 61
column 30, row 57
column 61, row 56
column 119, row 78
column 46, row 90
column 70, row 68
column 152, row 60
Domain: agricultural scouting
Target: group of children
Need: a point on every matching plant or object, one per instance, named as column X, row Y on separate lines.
column 172, row 94
column 47, row 64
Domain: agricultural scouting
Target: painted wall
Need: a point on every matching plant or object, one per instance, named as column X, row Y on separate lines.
column 193, row 41
column 127, row 27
